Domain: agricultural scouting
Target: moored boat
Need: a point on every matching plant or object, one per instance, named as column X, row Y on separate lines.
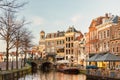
column 69, row 70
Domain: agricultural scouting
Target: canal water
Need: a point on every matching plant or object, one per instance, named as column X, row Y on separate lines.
column 52, row 76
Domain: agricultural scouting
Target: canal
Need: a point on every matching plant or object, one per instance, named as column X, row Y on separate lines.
column 52, row 76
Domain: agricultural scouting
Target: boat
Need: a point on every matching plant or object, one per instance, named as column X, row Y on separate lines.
column 63, row 66
column 68, row 70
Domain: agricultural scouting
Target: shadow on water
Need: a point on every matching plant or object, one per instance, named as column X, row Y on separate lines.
column 46, row 67
column 34, row 67
column 45, row 70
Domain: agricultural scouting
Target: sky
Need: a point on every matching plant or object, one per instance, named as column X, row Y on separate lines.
column 53, row 15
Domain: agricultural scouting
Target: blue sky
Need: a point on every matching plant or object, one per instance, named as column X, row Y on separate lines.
column 54, row 15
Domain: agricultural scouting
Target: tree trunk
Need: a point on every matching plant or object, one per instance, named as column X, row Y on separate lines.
column 17, row 58
column 7, row 57
column 25, row 58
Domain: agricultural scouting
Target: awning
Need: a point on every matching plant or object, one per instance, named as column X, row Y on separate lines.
column 51, row 54
column 59, row 57
column 94, row 57
column 108, row 57
column 62, row 61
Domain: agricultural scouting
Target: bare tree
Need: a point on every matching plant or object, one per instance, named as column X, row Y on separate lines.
column 18, row 38
column 13, row 4
column 9, row 24
column 7, row 30
column 26, row 42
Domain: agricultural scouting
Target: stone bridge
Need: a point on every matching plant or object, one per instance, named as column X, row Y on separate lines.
column 40, row 64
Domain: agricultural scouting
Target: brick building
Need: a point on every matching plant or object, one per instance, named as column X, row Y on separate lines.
column 104, row 35
column 115, row 38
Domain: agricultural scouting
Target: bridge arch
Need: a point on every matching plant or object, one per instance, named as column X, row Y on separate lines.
column 33, row 65
column 46, row 66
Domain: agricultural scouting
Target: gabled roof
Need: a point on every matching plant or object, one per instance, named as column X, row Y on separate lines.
column 115, row 19
column 107, row 18
column 71, row 29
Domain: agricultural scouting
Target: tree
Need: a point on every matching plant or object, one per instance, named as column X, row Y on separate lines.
column 6, row 4
column 26, row 42
column 18, row 38
column 7, row 30
column 9, row 24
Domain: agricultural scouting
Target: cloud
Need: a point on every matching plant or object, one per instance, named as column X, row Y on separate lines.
column 76, row 19
column 37, row 20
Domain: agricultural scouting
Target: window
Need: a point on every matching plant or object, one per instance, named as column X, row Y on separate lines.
column 108, row 33
column 68, row 38
column 117, row 49
column 71, row 44
column 69, row 51
column 71, row 38
column 104, row 35
column 68, row 45
column 57, row 42
column 72, row 57
column 60, row 41
column 63, row 41
column 100, row 35
column 113, row 49
column 66, row 57
column 72, row 51
column 104, row 45
column 108, row 44
column 66, row 51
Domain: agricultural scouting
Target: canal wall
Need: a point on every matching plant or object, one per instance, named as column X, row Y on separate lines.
column 14, row 74
column 102, row 74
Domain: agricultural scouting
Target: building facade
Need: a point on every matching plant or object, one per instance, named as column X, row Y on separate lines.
column 101, row 33
column 115, row 38
column 103, row 37
column 65, row 45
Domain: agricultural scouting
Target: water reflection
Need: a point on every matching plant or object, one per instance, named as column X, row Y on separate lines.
column 53, row 76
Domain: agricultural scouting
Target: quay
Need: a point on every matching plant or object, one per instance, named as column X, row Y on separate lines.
column 14, row 74
column 94, row 77
column 97, row 74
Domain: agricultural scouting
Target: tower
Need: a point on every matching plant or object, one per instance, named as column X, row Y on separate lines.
column 42, row 37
